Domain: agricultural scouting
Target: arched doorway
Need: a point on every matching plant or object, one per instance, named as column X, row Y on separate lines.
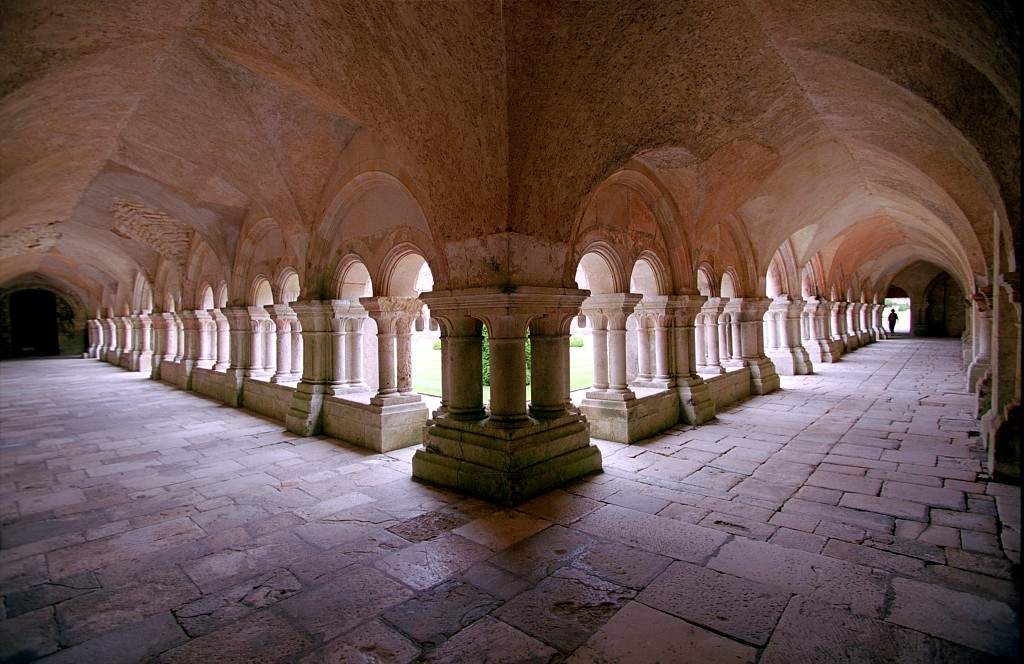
column 34, row 323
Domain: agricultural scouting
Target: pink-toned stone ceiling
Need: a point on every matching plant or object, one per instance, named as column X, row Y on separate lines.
column 870, row 134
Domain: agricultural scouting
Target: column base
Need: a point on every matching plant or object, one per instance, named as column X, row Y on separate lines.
column 655, row 383
column 506, row 466
column 142, row 360
column 611, row 395
column 864, row 338
column 975, row 372
column 375, row 427
column 305, row 414
column 716, row 369
column 124, row 360
column 281, row 378
column 851, row 342
column 821, row 351
column 695, row 403
column 763, row 378
column 1002, row 433
column 627, row 421
column 791, row 361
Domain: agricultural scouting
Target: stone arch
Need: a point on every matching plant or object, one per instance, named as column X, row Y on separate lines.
column 706, row 282
column 287, row 285
column 401, row 270
column 372, row 213
column 668, row 242
column 601, row 268
column 142, row 295
column 727, row 285
column 648, row 276
column 351, row 279
column 261, row 293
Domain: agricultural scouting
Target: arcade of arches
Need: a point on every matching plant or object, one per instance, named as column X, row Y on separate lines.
column 280, row 210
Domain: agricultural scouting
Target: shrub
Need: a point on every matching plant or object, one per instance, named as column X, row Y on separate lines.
column 575, row 342
column 486, row 351
column 437, row 344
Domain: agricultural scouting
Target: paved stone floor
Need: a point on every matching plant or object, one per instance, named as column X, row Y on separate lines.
column 841, row 519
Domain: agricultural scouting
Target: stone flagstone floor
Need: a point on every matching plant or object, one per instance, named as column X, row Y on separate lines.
column 840, row 519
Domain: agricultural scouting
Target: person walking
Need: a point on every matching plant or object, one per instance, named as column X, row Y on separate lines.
column 892, row 320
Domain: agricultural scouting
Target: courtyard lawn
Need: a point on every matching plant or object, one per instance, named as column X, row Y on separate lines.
column 426, row 369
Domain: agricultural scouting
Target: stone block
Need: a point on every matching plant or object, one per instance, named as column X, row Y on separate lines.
column 507, row 466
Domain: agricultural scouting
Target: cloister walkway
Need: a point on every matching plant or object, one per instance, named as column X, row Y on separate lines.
column 841, row 516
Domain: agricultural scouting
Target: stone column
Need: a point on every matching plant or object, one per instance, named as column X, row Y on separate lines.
column 125, row 328
column 876, row 322
column 711, row 310
column 394, row 317
column 269, row 346
column 509, row 456
column 354, row 357
column 850, row 339
column 655, row 312
column 282, row 317
column 241, row 327
column 864, row 324
column 695, row 403
column 462, row 367
column 507, row 341
column 837, row 324
column 981, row 316
column 192, row 328
column 750, row 312
column 819, row 345
column 296, row 349
column 159, row 344
column 599, row 348
column 339, row 363
column 222, row 340
column 305, row 415
column 206, row 357
column 549, row 375
column 100, row 338
column 179, row 338
column 608, row 314
column 142, row 359
column 788, row 354
column 730, row 332
column 91, row 334
column 643, row 351
column 1000, row 426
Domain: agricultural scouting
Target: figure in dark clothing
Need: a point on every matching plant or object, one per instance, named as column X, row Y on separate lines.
column 892, row 320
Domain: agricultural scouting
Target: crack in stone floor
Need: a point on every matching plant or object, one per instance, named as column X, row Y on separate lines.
column 843, row 518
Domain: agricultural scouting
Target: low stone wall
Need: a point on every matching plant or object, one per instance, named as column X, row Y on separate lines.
column 270, row 399
column 630, row 421
column 729, row 387
column 210, row 383
column 172, row 373
column 353, row 419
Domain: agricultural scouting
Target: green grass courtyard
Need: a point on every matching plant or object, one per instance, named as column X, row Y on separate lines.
column 426, row 368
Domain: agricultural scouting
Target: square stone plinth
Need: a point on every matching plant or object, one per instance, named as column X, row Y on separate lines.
column 353, row 418
column 626, row 421
column 506, row 466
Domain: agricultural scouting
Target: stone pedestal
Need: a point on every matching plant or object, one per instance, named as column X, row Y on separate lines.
column 305, row 414
column 706, row 335
column 763, row 377
column 607, row 404
column 694, row 399
column 785, row 351
column 381, row 428
column 508, row 456
column 981, row 322
column 850, row 339
column 1000, row 426
column 819, row 346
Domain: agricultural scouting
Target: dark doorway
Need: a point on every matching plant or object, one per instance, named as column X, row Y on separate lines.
column 34, row 323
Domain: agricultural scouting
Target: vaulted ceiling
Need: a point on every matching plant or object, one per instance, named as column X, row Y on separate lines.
column 872, row 133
